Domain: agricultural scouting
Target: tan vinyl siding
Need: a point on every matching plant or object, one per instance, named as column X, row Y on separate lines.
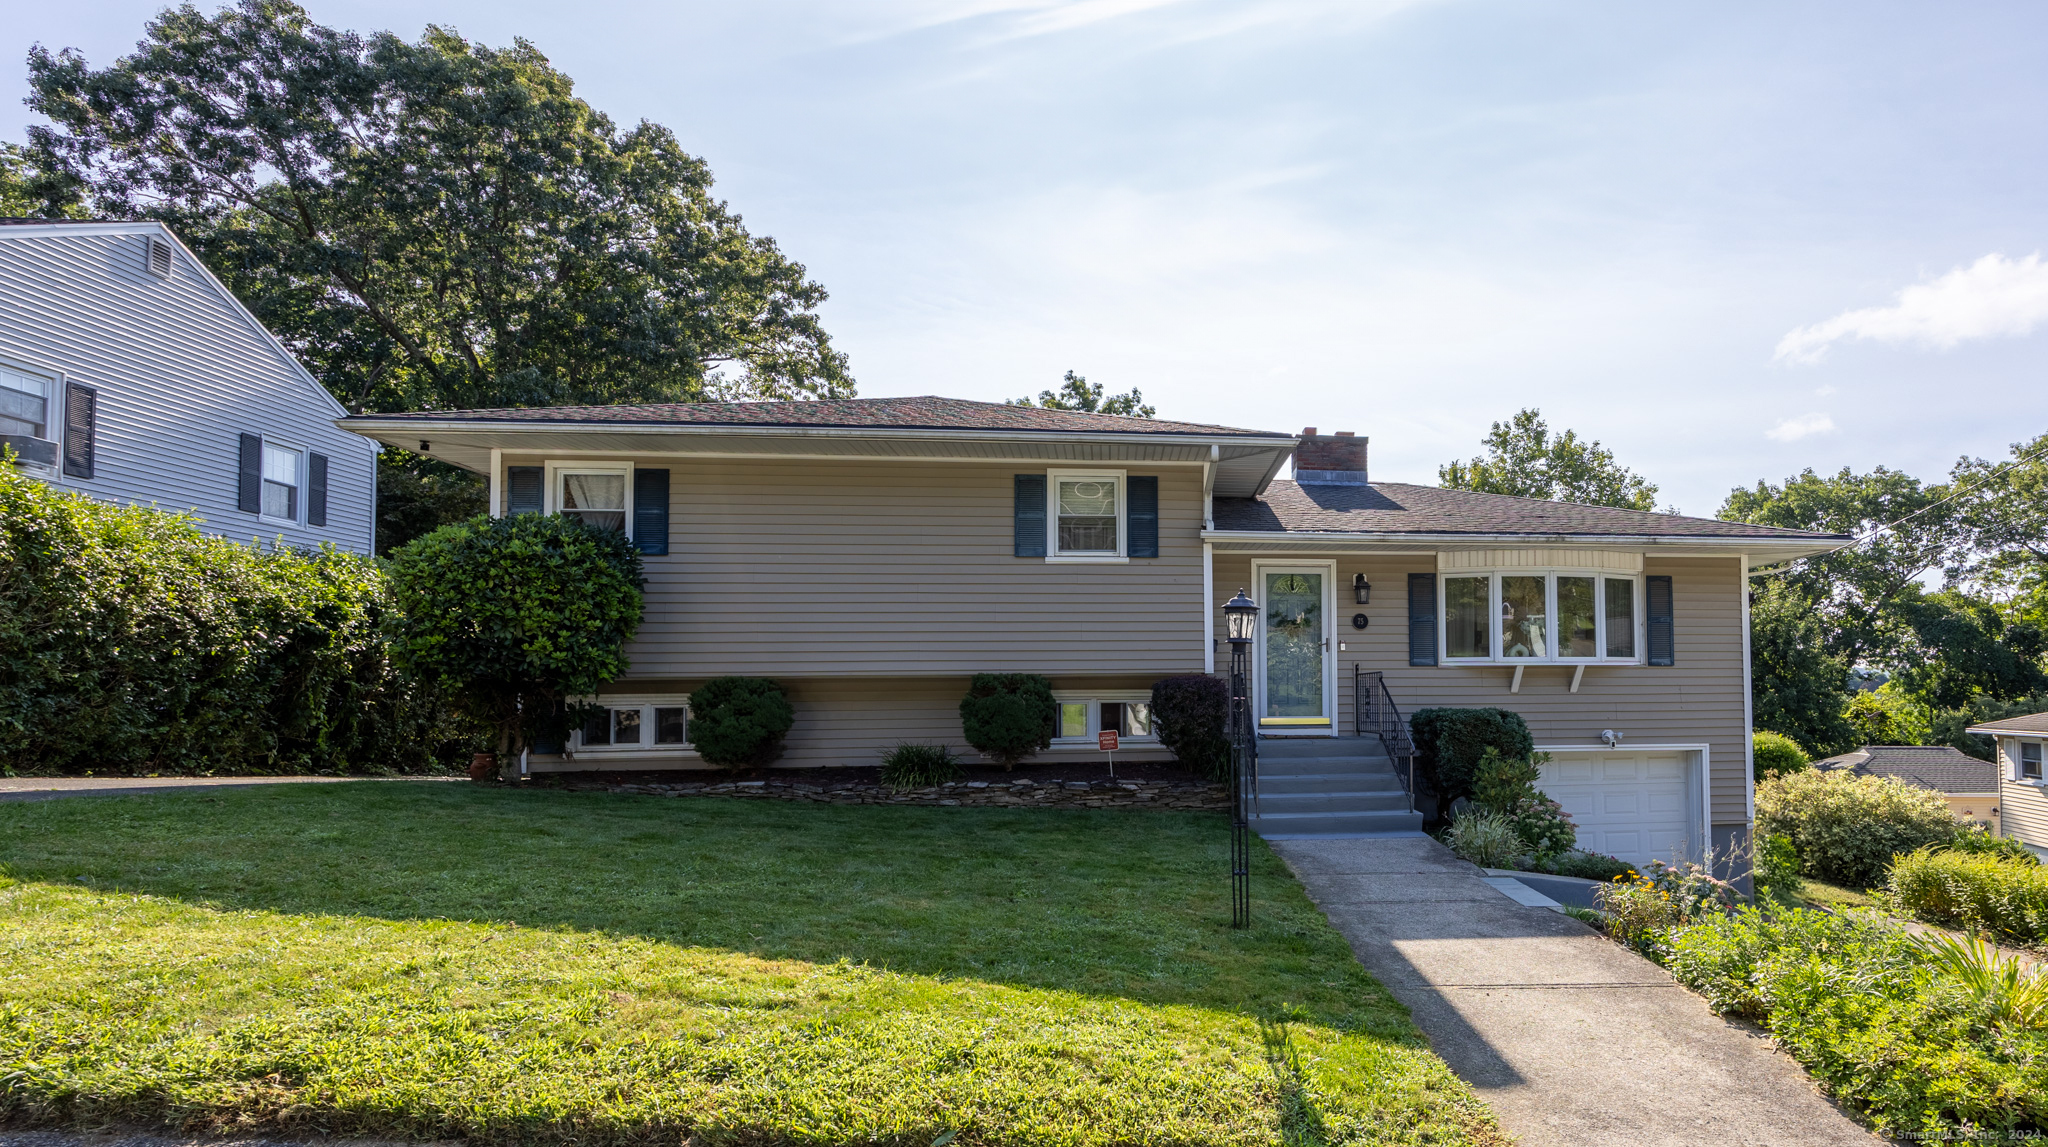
column 1697, row 700
column 852, row 721
column 2022, row 807
column 893, row 569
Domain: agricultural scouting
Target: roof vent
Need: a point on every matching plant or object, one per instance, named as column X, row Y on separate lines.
column 159, row 258
column 1330, row 459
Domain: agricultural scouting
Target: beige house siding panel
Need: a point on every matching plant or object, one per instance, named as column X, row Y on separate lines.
column 852, row 721
column 893, row 569
column 2022, row 807
column 1697, row 700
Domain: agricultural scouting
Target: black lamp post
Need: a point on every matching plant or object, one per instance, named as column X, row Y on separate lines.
column 1241, row 621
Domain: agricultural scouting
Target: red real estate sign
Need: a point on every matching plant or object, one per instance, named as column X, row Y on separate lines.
column 1106, row 740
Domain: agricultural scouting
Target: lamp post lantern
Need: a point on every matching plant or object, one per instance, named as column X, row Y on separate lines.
column 1241, row 621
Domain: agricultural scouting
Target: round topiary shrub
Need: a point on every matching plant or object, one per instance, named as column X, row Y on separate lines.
column 910, row 766
column 1009, row 716
column 1192, row 717
column 1777, row 755
column 739, row 722
column 1845, row 828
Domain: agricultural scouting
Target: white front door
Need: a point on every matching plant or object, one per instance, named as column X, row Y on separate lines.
column 1634, row 806
column 1297, row 687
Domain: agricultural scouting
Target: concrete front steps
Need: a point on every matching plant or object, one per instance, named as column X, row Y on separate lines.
column 1316, row 788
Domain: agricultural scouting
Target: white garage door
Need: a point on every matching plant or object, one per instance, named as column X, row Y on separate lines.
column 1635, row 806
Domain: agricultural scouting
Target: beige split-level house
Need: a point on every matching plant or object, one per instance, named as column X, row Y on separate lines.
column 873, row 554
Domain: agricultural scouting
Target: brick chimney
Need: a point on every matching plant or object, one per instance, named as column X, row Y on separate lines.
column 1330, row 459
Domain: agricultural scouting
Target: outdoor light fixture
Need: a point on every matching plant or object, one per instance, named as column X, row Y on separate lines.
column 1240, row 617
column 1362, row 588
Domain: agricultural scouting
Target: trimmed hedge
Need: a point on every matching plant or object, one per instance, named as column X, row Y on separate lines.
column 1777, row 755
column 132, row 642
column 1009, row 716
column 1847, row 828
column 1972, row 890
column 1449, row 743
column 739, row 722
column 1192, row 717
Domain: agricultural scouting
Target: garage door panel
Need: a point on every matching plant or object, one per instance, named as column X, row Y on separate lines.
column 1633, row 805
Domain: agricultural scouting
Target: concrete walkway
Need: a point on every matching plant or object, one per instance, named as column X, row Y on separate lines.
column 1573, row 1039
column 53, row 788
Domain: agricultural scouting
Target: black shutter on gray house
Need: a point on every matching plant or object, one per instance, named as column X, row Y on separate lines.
column 81, row 425
column 1657, row 603
column 316, row 489
column 249, row 476
column 523, row 489
column 1144, row 517
column 1422, row 619
column 1030, row 513
column 650, row 510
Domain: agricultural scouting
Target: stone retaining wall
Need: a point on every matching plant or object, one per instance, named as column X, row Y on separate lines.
column 982, row 794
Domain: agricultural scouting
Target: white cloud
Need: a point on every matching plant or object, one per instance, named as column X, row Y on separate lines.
column 1804, row 426
column 1991, row 297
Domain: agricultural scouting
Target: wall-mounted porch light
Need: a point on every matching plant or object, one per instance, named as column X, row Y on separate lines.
column 1361, row 588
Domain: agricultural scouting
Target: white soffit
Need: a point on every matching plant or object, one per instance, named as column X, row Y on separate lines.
column 1541, row 557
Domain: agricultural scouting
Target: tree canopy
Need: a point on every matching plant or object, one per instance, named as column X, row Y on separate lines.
column 433, row 224
column 28, row 192
column 1077, row 393
column 1524, row 460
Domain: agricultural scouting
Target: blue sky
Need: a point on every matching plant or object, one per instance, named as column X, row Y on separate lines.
column 1729, row 240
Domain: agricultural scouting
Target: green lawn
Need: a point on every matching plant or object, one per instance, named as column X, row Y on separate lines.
column 1820, row 894
column 440, row 960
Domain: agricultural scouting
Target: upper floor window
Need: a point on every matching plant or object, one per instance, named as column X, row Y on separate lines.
column 280, row 482
column 2030, row 760
column 1541, row 616
column 24, row 404
column 1086, row 515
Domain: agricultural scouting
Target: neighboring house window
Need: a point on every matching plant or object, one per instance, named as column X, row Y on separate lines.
column 24, row 404
column 2030, row 760
column 1084, row 715
column 280, row 482
column 597, row 495
column 637, row 723
column 1086, row 515
column 1547, row 616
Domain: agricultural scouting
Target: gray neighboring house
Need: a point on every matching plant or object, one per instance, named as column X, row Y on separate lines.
column 129, row 373
column 1969, row 785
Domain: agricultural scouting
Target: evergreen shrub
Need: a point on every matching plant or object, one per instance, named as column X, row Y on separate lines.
column 1009, row 716
column 1192, row 717
column 1449, row 743
column 1776, row 754
column 912, row 766
column 1973, row 890
column 131, row 642
column 1506, row 787
column 739, row 722
column 1845, row 828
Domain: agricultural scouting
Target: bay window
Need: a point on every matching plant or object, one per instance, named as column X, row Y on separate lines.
column 1540, row 616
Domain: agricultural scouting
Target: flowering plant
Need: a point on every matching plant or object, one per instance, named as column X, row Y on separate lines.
column 1642, row 904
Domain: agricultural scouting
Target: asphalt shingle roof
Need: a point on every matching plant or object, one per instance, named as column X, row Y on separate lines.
column 2029, row 723
column 1398, row 508
column 924, row 413
column 1939, row 767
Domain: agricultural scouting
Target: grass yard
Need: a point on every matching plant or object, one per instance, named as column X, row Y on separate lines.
column 1820, row 894
column 440, row 960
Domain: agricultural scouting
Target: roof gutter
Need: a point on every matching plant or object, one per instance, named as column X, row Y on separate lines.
column 412, row 427
column 1804, row 546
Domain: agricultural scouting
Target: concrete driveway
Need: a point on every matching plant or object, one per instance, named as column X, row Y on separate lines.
column 1573, row 1039
column 53, row 788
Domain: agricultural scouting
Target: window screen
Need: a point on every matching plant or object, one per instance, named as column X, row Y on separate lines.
column 280, row 482
column 24, row 405
column 1087, row 515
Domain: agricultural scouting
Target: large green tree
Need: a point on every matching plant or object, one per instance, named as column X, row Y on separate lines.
column 1077, row 393
column 434, row 224
column 28, row 192
column 1523, row 459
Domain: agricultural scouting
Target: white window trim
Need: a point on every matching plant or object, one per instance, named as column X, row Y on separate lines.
column 53, row 411
column 1093, row 698
column 1549, row 576
column 1331, row 701
column 647, row 703
column 2013, row 768
column 551, row 494
column 1052, row 515
column 265, row 442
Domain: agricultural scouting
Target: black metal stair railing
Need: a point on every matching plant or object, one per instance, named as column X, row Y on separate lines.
column 1374, row 714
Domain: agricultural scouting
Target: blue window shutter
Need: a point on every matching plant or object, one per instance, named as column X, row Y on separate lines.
column 1144, row 517
column 81, row 425
column 1030, row 512
column 316, row 489
column 1657, row 602
column 249, row 475
column 650, row 510
column 1422, row 619
column 523, row 489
